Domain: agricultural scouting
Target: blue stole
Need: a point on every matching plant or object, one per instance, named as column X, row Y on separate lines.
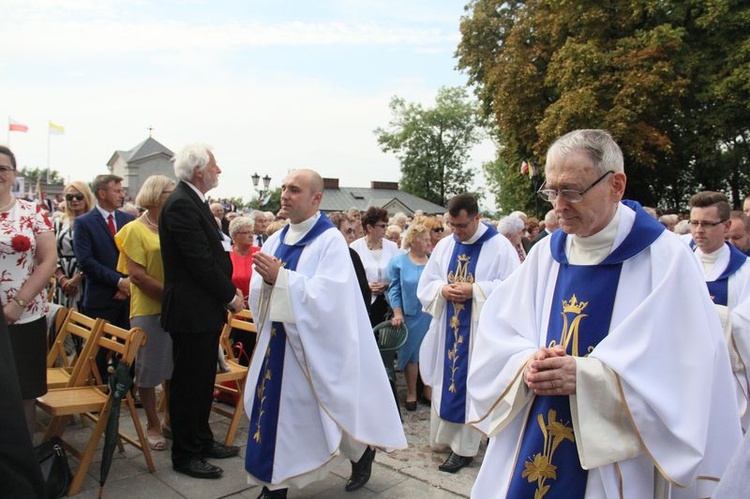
column 547, row 465
column 719, row 288
column 461, row 268
column 261, row 439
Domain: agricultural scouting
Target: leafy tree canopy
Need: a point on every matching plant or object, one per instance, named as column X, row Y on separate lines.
column 433, row 144
column 32, row 174
column 670, row 79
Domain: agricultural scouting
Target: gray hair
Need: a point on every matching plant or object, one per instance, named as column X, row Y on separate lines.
column 240, row 223
column 191, row 156
column 510, row 225
column 550, row 218
column 598, row 145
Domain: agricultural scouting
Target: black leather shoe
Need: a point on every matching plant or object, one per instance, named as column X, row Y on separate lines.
column 455, row 463
column 272, row 494
column 221, row 451
column 411, row 406
column 361, row 471
column 198, row 468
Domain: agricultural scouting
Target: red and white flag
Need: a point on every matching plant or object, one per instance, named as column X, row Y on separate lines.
column 14, row 126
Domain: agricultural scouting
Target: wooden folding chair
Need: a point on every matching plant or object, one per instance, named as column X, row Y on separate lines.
column 94, row 401
column 232, row 382
column 61, row 369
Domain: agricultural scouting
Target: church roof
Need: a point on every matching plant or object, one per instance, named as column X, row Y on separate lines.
column 343, row 198
column 146, row 149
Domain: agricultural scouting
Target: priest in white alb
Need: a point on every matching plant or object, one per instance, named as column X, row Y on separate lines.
column 600, row 369
column 459, row 276
column 317, row 390
column 727, row 273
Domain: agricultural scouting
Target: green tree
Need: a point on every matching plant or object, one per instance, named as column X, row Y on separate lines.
column 32, row 174
column 273, row 203
column 433, row 144
column 669, row 80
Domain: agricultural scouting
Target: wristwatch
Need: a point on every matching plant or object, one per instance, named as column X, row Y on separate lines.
column 22, row 303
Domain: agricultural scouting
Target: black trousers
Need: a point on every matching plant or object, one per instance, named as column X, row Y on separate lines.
column 191, row 393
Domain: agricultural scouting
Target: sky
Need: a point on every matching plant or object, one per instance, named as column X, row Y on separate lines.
column 270, row 85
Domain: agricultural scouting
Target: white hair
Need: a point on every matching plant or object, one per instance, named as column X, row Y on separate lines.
column 510, row 225
column 598, row 145
column 191, row 156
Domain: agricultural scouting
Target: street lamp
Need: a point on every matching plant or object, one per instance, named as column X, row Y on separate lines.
column 262, row 192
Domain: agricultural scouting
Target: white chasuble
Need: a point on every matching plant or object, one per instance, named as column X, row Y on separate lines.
column 654, row 402
column 334, row 391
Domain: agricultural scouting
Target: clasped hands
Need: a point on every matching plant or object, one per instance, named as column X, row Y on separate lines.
column 457, row 291
column 551, row 371
column 267, row 266
column 123, row 289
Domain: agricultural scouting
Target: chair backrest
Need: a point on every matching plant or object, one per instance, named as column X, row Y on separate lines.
column 390, row 338
column 240, row 320
column 74, row 324
column 120, row 343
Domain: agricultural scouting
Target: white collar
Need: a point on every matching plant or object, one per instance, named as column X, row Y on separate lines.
column 297, row 231
column 198, row 192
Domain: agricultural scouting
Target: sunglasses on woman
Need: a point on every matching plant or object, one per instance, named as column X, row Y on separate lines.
column 71, row 197
column 437, row 229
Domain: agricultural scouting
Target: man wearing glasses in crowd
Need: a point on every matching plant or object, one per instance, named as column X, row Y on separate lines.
column 727, row 273
column 599, row 366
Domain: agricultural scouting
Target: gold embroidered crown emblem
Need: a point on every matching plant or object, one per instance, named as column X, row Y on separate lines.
column 574, row 305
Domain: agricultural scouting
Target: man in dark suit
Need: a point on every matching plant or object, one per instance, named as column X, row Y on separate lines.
column 198, row 290
column 107, row 292
column 219, row 213
column 259, row 229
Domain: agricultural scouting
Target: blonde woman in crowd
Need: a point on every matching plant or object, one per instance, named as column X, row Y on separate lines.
column 436, row 228
column 393, row 233
column 78, row 200
column 404, row 271
column 140, row 257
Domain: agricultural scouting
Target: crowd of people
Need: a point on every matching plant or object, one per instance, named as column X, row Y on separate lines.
column 602, row 350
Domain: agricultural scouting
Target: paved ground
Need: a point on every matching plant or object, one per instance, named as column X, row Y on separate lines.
column 409, row 473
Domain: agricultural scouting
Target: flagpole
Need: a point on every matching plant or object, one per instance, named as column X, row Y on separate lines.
column 48, row 150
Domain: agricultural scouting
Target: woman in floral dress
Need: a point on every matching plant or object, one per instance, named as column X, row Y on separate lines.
column 27, row 261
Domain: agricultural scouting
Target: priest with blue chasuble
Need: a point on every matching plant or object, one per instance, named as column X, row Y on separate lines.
column 727, row 273
column 600, row 369
column 316, row 389
column 459, row 276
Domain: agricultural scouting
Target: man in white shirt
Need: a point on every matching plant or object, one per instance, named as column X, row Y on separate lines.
column 600, row 369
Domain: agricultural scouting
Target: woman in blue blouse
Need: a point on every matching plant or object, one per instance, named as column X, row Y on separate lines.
column 404, row 272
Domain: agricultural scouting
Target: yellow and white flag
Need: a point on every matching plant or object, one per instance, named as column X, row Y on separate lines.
column 55, row 129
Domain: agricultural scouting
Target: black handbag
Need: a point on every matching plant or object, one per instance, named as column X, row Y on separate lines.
column 53, row 462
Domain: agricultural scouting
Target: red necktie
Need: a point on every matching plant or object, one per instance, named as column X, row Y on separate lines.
column 111, row 221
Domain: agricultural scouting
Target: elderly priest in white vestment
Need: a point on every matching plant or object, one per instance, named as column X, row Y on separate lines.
column 317, row 389
column 599, row 368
